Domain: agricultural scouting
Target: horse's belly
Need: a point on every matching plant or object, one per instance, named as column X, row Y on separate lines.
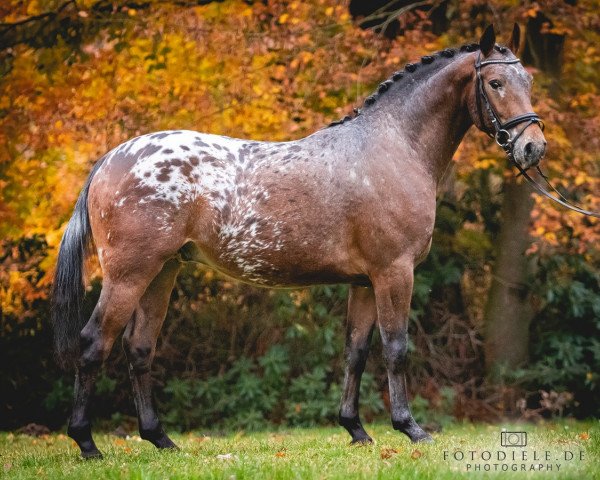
column 275, row 260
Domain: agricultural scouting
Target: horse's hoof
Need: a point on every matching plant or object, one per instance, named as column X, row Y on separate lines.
column 362, row 441
column 170, row 446
column 92, row 455
column 165, row 443
column 423, row 439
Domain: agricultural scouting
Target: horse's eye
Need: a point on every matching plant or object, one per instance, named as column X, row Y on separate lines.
column 495, row 84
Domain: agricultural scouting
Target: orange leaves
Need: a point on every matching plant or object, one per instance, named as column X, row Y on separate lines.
column 125, row 443
column 272, row 71
column 387, row 452
column 416, row 454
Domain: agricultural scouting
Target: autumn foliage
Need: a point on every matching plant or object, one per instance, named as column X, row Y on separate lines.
column 96, row 73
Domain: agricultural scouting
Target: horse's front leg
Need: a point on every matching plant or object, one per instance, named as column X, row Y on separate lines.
column 362, row 314
column 393, row 291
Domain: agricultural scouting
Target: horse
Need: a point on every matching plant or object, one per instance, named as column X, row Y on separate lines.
column 353, row 203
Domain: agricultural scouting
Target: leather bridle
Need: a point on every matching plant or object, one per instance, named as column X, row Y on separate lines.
column 501, row 129
column 503, row 138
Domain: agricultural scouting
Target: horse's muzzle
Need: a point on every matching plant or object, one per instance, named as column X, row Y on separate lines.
column 530, row 149
column 533, row 152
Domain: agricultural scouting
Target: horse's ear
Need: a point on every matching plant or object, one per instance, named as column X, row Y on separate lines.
column 487, row 40
column 515, row 39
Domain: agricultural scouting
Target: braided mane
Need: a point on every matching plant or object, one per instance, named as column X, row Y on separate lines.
column 428, row 64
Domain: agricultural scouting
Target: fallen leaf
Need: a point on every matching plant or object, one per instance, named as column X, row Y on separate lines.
column 127, row 450
column 280, row 454
column 416, row 454
column 584, row 436
column 387, row 453
column 120, row 442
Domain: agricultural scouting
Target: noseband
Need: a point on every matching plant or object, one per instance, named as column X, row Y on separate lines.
column 501, row 129
column 502, row 135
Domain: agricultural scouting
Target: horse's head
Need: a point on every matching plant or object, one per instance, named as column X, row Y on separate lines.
column 501, row 104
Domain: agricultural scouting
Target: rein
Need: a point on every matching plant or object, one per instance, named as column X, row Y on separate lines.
column 503, row 138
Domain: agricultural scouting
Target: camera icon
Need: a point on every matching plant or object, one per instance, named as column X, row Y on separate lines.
column 513, row 439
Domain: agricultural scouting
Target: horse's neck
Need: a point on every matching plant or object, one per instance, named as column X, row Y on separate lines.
column 427, row 124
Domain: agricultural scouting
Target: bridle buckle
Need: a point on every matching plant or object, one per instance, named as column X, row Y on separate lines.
column 502, row 138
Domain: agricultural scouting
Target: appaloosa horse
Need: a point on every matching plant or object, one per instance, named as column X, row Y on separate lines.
column 353, row 203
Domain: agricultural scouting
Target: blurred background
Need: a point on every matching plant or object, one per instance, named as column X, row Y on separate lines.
column 505, row 317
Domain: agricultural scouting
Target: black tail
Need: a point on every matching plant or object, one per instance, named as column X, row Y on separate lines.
column 69, row 282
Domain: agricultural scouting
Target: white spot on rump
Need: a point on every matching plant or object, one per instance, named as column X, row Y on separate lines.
column 177, row 185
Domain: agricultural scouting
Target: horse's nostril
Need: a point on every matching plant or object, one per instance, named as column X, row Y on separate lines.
column 528, row 149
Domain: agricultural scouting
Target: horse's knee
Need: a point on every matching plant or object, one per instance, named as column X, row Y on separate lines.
column 402, row 419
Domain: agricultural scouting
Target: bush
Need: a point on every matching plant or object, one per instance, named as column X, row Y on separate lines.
column 565, row 334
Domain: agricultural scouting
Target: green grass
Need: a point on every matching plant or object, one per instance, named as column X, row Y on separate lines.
column 321, row 453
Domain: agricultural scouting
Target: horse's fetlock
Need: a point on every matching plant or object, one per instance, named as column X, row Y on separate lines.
column 402, row 421
column 152, row 431
column 79, row 431
column 348, row 421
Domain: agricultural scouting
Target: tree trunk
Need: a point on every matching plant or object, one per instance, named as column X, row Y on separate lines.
column 508, row 312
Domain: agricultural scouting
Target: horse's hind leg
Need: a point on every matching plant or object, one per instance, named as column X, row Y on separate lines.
column 139, row 343
column 362, row 314
column 119, row 297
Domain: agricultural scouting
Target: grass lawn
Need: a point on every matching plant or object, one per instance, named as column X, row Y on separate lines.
column 317, row 453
